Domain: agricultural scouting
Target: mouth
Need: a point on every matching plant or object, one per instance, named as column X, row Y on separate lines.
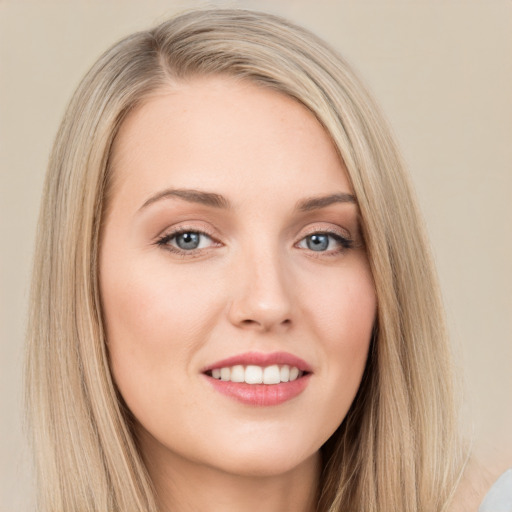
column 260, row 379
column 253, row 374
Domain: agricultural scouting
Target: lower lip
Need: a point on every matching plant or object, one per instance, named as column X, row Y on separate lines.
column 261, row 394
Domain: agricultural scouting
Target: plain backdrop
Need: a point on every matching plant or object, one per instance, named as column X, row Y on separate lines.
column 442, row 71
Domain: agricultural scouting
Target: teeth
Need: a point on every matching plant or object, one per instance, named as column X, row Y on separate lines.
column 252, row 374
column 271, row 375
column 237, row 373
column 294, row 373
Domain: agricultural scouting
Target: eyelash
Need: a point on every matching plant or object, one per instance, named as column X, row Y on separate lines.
column 164, row 240
column 344, row 242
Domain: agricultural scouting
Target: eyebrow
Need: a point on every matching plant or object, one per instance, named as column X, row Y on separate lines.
column 315, row 203
column 218, row 201
column 192, row 196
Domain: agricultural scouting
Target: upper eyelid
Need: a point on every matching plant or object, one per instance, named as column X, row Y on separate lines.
column 339, row 231
column 170, row 232
column 192, row 229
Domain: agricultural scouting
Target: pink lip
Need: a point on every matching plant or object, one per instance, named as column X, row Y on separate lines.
column 260, row 359
column 261, row 394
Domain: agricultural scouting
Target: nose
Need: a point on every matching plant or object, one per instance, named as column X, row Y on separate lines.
column 262, row 294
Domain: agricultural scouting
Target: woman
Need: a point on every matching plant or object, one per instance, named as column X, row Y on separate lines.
column 233, row 299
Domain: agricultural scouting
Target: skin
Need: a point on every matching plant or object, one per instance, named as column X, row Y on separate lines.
column 482, row 471
column 254, row 284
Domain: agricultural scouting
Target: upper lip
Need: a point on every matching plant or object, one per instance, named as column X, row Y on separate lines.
column 261, row 359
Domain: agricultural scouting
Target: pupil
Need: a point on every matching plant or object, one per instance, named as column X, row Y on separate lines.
column 318, row 242
column 188, row 240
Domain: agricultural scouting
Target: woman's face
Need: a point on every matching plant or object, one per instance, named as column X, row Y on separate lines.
column 232, row 252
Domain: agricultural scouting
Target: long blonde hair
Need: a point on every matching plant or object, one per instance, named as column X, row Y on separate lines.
column 397, row 449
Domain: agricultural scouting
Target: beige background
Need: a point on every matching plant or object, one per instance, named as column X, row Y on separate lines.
column 442, row 71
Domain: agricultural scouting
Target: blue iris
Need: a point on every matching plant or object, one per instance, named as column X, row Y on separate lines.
column 317, row 242
column 188, row 240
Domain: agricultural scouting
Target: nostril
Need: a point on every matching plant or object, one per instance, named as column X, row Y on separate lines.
column 251, row 323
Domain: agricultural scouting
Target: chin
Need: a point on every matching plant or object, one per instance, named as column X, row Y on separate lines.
column 263, row 457
column 265, row 464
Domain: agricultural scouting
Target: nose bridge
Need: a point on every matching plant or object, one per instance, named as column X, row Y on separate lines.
column 262, row 297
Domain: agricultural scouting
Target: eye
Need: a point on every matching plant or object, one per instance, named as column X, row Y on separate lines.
column 186, row 241
column 325, row 242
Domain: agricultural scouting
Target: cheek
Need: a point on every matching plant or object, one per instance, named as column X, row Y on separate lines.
column 343, row 307
column 149, row 305
column 344, row 317
column 155, row 321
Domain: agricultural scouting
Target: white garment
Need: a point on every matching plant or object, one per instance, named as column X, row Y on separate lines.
column 499, row 497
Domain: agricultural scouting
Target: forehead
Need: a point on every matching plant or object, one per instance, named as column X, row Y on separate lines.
column 209, row 132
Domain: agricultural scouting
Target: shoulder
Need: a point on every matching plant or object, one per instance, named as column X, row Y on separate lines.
column 499, row 497
column 484, row 487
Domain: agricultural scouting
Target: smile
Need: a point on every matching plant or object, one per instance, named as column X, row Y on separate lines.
column 252, row 374
column 260, row 379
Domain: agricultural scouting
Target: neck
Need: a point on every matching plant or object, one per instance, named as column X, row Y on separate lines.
column 185, row 486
